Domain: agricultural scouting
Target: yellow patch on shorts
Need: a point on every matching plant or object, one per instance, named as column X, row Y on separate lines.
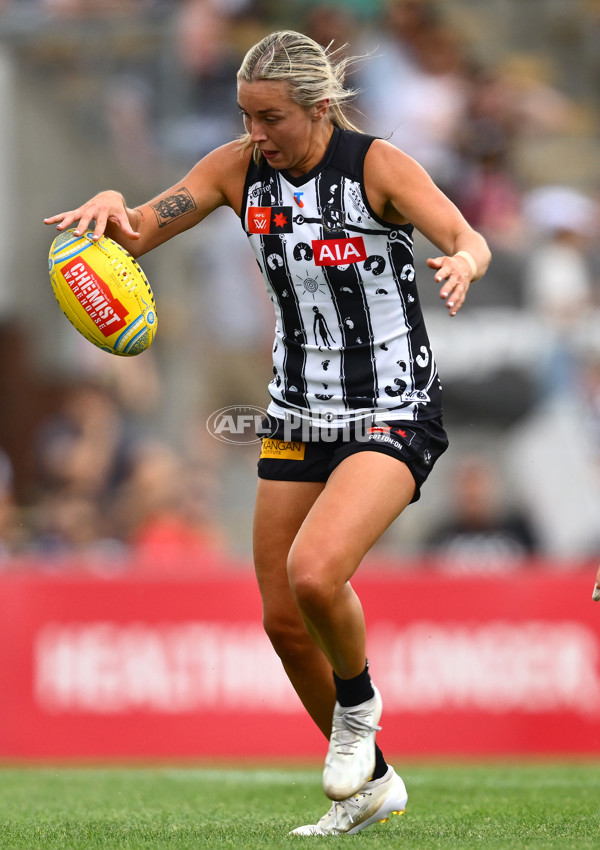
column 283, row 449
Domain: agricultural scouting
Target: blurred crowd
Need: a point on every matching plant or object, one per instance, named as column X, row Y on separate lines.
column 121, row 473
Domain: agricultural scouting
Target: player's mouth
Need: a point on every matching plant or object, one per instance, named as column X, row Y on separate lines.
column 269, row 154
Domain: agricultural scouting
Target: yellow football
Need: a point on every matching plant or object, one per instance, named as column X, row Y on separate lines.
column 103, row 292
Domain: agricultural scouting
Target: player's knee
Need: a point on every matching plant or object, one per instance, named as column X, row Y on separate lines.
column 287, row 635
column 310, row 581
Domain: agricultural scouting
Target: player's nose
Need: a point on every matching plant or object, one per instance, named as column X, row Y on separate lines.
column 257, row 132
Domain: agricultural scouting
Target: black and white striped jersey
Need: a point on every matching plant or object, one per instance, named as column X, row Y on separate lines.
column 350, row 340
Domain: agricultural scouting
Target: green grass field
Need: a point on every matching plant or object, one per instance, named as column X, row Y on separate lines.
column 497, row 805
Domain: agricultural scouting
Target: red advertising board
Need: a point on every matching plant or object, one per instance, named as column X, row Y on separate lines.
column 94, row 668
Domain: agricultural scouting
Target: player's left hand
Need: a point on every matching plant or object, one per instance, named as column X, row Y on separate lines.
column 105, row 207
column 454, row 273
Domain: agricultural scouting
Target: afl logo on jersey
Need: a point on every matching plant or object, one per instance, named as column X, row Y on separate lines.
column 339, row 252
column 270, row 220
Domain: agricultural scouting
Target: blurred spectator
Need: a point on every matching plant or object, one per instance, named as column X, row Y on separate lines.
column 81, row 451
column 108, row 500
column 331, row 24
column 130, row 124
column 538, row 106
column 72, row 531
column 485, row 186
column 206, row 61
column 133, row 384
column 558, row 279
column 414, row 86
column 162, row 512
column 81, row 448
column 483, row 535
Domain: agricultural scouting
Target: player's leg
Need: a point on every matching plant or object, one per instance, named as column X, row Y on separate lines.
column 280, row 510
column 281, row 507
column 363, row 495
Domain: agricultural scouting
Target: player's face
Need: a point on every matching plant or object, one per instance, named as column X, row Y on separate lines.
column 289, row 136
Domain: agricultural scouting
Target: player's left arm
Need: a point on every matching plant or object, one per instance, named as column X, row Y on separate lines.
column 401, row 190
column 216, row 180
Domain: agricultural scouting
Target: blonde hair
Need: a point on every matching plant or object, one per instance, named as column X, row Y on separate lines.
column 313, row 73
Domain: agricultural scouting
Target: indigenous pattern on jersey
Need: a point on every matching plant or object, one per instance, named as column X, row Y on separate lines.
column 350, row 340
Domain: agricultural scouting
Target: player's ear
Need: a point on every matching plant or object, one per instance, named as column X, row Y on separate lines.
column 320, row 109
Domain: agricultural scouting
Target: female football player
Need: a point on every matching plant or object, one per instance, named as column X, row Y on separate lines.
column 355, row 397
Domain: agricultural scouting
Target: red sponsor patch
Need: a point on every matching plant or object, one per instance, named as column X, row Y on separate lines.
column 259, row 219
column 106, row 312
column 270, row 220
column 280, row 220
column 386, row 429
column 339, row 252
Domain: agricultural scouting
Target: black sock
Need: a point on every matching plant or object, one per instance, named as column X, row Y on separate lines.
column 381, row 766
column 354, row 691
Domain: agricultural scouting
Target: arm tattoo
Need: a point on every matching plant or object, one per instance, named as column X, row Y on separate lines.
column 171, row 207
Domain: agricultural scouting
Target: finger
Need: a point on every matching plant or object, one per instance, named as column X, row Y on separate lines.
column 62, row 220
column 122, row 221
column 446, row 273
column 84, row 222
column 454, row 290
column 448, row 287
column 453, row 307
column 454, row 295
column 101, row 219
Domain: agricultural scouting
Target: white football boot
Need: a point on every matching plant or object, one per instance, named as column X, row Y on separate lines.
column 374, row 803
column 350, row 760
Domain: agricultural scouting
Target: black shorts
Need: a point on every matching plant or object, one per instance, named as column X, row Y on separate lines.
column 313, row 456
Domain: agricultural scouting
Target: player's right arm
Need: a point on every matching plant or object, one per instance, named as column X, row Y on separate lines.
column 217, row 180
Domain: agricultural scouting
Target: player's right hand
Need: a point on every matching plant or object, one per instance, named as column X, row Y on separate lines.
column 108, row 206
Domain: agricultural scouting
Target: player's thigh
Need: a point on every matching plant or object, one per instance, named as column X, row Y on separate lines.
column 281, row 508
column 364, row 494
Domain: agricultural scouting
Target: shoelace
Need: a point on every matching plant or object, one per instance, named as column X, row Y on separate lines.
column 348, row 728
column 348, row 807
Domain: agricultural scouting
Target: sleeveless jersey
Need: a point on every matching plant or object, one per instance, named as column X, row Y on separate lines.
column 350, row 339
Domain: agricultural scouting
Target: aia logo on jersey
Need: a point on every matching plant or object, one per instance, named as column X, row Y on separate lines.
column 339, row 252
column 270, row 220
